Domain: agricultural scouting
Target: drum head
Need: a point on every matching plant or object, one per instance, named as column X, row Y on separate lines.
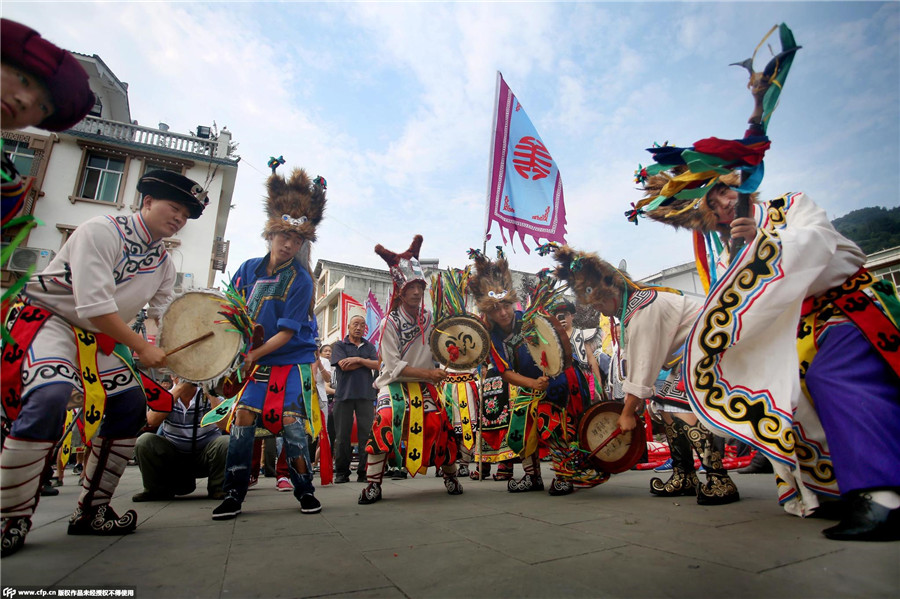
column 460, row 342
column 597, row 425
column 190, row 316
column 554, row 356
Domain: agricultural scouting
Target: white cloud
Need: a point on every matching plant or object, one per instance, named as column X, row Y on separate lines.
column 392, row 104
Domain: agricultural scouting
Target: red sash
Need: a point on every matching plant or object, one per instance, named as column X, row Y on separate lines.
column 25, row 328
column 273, row 406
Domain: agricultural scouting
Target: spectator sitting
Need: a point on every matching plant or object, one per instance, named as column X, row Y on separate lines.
column 182, row 451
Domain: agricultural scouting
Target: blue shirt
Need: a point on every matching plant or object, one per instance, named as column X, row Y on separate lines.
column 511, row 352
column 280, row 302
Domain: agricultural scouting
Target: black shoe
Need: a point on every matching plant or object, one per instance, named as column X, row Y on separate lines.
column 370, row 494
column 836, row 509
column 525, row 484
column 561, row 487
column 361, row 478
column 148, row 496
column 399, row 474
column 14, row 531
column 866, row 521
column 341, row 478
column 759, row 465
column 463, row 470
column 680, row 483
column 78, row 469
column 717, row 490
column 48, row 490
column 228, row 509
column 309, row 504
column 102, row 521
column 453, row 486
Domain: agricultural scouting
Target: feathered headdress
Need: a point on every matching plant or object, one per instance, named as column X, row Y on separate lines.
column 294, row 205
column 662, row 205
column 492, row 282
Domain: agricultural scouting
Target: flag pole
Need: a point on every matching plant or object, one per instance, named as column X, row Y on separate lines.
column 487, row 208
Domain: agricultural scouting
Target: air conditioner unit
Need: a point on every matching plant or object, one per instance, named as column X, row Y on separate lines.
column 184, row 281
column 24, row 258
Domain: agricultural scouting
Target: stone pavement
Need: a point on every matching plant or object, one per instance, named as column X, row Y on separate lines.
column 615, row 540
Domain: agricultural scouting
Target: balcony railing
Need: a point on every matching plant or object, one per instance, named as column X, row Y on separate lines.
column 148, row 136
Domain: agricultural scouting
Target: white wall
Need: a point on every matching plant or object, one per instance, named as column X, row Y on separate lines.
column 194, row 253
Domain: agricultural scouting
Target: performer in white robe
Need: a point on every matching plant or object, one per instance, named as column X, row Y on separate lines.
column 835, row 428
column 70, row 334
column 653, row 325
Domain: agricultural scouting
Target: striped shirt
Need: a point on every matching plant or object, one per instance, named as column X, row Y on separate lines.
column 178, row 426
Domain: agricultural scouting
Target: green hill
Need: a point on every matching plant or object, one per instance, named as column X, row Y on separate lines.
column 872, row 229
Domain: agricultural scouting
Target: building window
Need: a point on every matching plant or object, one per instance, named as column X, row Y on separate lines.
column 333, row 313
column 156, row 166
column 21, row 155
column 102, row 178
column 322, row 286
column 97, row 108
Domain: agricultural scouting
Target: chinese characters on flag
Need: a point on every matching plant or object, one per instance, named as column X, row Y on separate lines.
column 525, row 187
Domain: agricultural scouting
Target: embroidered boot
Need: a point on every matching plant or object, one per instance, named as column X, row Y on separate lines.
column 718, row 489
column 20, row 481
column 560, row 486
column 104, row 468
column 684, row 479
column 374, row 474
column 532, row 479
column 450, row 481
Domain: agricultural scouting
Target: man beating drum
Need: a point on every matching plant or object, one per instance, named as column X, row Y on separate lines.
column 70, row 332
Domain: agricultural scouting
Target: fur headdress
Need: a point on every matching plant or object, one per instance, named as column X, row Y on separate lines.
column 295, row 205
column 694, row 214
column 405, row 267
column 591, row 277
column 492, row 282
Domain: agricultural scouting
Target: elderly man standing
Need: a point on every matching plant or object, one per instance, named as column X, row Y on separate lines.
column 354, row 360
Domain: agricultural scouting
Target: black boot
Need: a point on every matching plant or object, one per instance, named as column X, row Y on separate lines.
column 718, row 489
column 14, row 532
column 683, row 480
column 102, row 520
column 866, row 521
column 760, row 464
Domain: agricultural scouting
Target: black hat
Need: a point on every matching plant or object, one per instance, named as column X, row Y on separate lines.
column 166, row 185
column 58, row 70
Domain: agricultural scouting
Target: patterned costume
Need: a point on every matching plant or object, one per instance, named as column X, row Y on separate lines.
column 110, row 265
column 822, row 403
column 742, row 358
column 540, row 422
column 408, row 409
column 652, row 328
column 281, row 384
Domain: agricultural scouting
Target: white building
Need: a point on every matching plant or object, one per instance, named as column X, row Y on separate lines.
column 93, row 169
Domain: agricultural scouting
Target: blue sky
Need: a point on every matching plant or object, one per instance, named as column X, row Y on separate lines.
column 391, row 102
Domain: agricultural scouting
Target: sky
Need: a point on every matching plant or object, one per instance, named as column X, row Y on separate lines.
column 392, row 104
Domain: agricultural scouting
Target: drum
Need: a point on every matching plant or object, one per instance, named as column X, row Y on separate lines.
column 610, row 453
column 460, row 342
column 193, row 315
column 548, row 344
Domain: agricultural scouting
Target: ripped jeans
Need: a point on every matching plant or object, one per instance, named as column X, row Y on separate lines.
column 240, row 454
